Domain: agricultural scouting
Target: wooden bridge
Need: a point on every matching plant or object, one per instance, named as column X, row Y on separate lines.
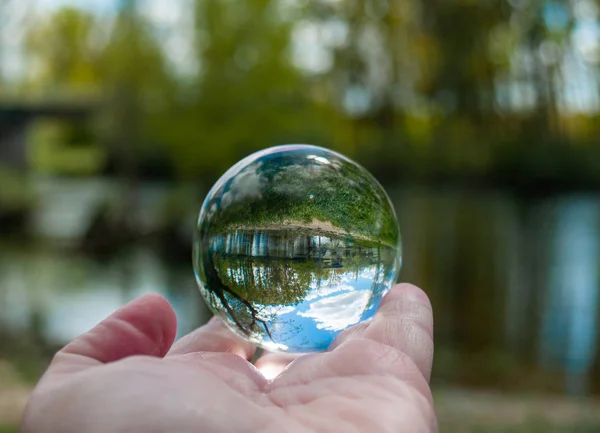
column 17, row 116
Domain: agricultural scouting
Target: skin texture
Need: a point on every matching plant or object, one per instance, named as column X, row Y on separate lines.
column 126, row 375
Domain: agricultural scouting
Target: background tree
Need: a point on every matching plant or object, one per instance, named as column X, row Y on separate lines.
column 64, row 52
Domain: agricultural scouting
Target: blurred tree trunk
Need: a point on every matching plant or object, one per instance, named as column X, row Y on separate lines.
column 462, row 82
column 122, row 127
column 128, row 112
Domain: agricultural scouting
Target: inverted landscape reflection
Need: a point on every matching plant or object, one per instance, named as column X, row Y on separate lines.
column 290, row 290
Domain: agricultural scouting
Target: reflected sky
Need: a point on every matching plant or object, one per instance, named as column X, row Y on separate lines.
column 325, row 312
column 338, row 312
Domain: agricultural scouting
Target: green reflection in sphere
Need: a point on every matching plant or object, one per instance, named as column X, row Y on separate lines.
column 293, row 245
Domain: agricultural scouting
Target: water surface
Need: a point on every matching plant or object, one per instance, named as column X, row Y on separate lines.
column 514, row 284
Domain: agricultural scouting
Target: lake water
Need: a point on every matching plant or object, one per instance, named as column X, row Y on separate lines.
column 514, row 283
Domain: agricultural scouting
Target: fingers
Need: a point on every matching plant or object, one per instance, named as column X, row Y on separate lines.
column 145, row 326
column 213, row 337
column 404, row 321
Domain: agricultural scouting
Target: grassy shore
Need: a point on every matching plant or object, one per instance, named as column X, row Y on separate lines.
column 471, row 411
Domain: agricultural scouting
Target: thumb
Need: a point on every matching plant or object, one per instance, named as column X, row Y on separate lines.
column 145, row 326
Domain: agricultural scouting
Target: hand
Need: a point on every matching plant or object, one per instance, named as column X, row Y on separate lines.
column 126, row 375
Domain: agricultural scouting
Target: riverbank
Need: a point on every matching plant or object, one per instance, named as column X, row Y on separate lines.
column 13, row 396
column 466, row 410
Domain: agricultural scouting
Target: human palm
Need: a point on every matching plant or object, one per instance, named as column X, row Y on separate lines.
column 126, row 375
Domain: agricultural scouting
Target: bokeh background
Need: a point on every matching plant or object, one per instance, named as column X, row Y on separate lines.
column 481, row 119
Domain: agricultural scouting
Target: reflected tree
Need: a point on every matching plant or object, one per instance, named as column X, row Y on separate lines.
column 266, row 281
column 245, row 285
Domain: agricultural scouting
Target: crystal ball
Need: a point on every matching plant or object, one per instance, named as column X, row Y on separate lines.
column 295, row 244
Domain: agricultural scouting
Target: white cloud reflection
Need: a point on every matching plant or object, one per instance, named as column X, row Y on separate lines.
column 246, row 184
column 319, row 159
column 328, row 290
column 338, row 312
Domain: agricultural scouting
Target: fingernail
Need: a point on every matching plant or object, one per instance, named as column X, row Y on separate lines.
column 414, row 293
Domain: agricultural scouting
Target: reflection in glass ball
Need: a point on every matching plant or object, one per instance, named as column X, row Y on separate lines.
column 293, row 245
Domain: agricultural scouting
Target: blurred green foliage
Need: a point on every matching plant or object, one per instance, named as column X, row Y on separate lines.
column 436, row 90
column 69, row 149
column 14, row 194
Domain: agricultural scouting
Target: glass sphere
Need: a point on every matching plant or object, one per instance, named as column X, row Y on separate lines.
column 293, row 245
